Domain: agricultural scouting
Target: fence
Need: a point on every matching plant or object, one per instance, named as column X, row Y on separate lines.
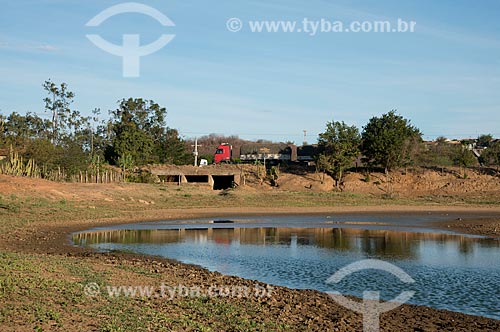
column 15, row 165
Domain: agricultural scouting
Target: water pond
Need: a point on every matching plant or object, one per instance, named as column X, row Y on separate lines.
column 451, row 271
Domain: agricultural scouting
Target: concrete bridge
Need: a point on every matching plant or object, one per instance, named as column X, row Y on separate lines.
column 217, row 177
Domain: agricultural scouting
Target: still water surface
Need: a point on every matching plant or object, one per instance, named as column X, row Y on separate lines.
column 454, row 272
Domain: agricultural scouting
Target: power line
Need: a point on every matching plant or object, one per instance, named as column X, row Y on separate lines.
column 462, row 135
column 242, row 134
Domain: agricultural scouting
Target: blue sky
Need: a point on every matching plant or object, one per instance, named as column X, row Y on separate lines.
column 445, row 76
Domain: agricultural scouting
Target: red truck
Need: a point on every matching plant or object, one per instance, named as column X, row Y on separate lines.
column 223, row 154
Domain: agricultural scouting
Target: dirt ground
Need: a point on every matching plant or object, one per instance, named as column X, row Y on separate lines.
column 411, row 183
column 42, row 276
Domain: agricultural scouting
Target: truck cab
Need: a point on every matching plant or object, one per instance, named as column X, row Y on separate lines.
column 223, row 153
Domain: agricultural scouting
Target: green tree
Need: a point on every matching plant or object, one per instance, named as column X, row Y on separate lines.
column 58, row 104
column 440, row 154
column 137, row 123
column 464, row 158
column 484, row 141
column 16, row 130
column 390, row 140
column 491, row 155
column 44, row 153
column 173, row 149
column 338, row 148
column 20, row 129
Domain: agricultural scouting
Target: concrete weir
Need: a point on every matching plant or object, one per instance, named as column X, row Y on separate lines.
column 216, row 177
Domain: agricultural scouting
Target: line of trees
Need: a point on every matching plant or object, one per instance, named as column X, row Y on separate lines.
column 391, row 141
column 134, row 134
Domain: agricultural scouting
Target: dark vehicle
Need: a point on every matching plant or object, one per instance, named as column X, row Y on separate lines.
column 274, row 153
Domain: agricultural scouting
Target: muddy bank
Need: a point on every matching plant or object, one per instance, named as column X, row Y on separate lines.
column 489, row 227
column 299, row 310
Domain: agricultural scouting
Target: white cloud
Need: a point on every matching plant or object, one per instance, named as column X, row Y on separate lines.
column 28, row 47
column 46, row 48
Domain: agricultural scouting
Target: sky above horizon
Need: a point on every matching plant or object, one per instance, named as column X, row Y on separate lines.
column 271, row 85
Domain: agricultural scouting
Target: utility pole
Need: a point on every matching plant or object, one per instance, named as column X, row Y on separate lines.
column 264, row 152
column 195, row 151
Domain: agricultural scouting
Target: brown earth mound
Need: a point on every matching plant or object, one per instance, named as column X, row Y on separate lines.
column 423, row 182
